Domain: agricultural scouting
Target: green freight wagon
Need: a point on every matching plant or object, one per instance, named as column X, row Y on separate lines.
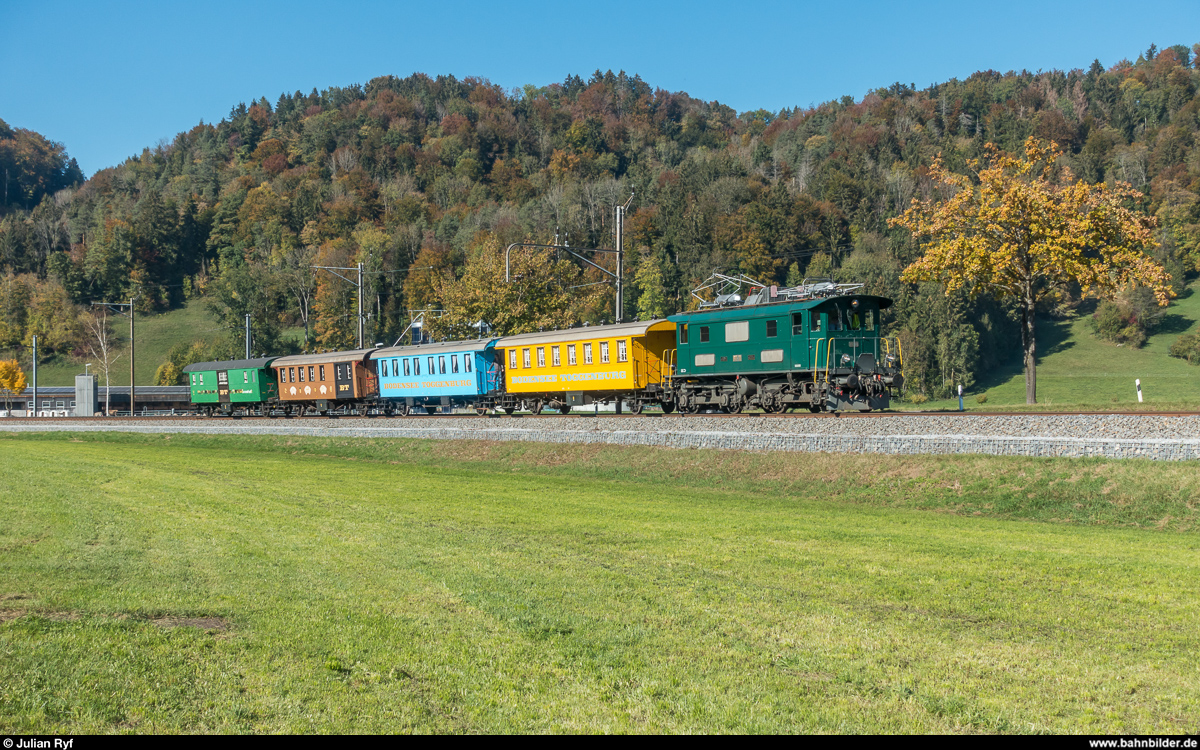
column 247, row 385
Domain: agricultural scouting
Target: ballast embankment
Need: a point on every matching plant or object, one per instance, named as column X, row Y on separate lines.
column 1148, row 436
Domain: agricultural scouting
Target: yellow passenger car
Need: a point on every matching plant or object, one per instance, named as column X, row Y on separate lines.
column 613, row 363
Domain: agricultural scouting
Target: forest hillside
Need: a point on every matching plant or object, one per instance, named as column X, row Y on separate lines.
column 425, row 180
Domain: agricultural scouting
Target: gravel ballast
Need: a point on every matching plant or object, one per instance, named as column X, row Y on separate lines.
column 1163, row 438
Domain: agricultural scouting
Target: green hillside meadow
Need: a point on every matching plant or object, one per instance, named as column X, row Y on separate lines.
column 231, row 584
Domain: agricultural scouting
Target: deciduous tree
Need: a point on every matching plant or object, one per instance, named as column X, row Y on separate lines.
column 12, row 380
column 1018, row 233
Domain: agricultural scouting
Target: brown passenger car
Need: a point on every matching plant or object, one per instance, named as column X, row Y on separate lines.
column 324, row 382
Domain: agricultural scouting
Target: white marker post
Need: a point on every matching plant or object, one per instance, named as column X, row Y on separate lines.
column 1138, row 383
column 960, row 408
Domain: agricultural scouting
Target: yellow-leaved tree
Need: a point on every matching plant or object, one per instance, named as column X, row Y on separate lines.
column 1018, row 233
column 12, row 380
column 546, row 291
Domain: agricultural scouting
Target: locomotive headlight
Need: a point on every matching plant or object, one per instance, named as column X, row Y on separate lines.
column 845, row 359
column 891, row 359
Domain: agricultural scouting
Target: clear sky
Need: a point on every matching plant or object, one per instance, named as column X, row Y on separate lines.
column 110, row 78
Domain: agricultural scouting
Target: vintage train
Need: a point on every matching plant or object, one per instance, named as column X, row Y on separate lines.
column 816, row 346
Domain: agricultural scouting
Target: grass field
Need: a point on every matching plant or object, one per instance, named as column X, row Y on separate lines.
column 274, row 584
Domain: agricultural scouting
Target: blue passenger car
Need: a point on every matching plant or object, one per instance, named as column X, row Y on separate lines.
column 433, row 376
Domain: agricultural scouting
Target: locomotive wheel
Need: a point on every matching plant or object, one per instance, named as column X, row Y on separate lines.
column 509, row 410
column 668, row 407
column 636, row 407
column 402, row 410
column 536, row 407
column 481, row 410
column 564, row 409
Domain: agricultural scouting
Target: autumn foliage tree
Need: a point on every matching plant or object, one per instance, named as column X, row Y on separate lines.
column 12, row 380
column 1018, row 233
column 544, row 292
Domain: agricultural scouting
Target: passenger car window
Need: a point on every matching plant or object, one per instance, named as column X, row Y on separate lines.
column 622, row 351
column 453, row 363
column 571, row 354
column 703, row 334
column 772, row 329
column 525, row 358
column 604, row 352
column 554, row 356
column 407, row 368
column 322, row 369
column 512, row 359
column 442, row 364
column 467, row 362
column 587, row 354
column 541, row 356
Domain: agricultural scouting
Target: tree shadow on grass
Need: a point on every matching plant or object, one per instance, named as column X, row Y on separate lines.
column 1173, row 323
column 1053, row 336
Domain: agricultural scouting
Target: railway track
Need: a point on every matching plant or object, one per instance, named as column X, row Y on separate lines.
column 180, row 418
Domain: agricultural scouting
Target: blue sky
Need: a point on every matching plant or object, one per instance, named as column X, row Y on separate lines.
column 110, row 78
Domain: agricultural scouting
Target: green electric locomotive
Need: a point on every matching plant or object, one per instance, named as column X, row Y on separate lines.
column 816, row 346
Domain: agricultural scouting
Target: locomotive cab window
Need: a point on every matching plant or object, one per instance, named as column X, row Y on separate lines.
column 797, row 323
column 772, row 329
column 835, row 319
column 855, row 320
column 703, row 334
column 869, row 319
column 683, row 333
